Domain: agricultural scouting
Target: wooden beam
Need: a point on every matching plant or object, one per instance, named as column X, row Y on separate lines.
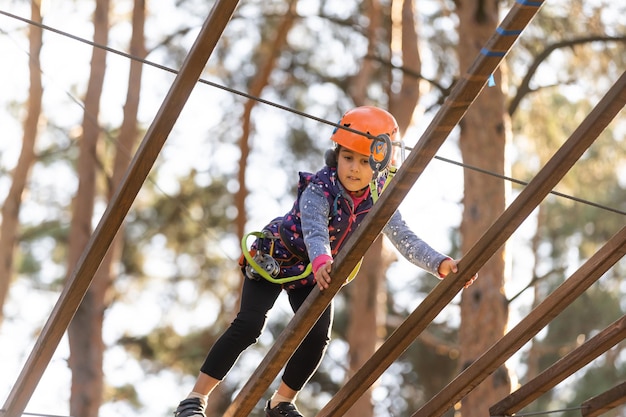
column 453, row 109
column 502, row 350
column 560, row 370
column 604, row 402
column 82, row 275
column 496, row 236
column 528, row 199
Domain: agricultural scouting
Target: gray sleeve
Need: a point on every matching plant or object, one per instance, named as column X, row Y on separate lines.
column 314, row 210
column 414, row 249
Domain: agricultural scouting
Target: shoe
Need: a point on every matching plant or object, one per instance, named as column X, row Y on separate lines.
column 190, row 407
column 282, row 410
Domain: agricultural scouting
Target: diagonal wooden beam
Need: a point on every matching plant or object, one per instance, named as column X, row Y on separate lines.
column 82, row 275
column 563, row 368
column 608, row 400
column 610, row 105
column 493, row 238
column 453, row 109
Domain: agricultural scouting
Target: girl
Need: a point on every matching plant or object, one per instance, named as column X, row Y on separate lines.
column 329, row 207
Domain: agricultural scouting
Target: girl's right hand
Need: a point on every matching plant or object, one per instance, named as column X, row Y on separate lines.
column 322, row 276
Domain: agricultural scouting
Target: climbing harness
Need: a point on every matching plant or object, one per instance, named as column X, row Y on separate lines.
column 263, row 265
column 260, row 264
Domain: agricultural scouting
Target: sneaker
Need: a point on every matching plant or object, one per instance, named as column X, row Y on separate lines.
column 282, row 410
column 190, row 407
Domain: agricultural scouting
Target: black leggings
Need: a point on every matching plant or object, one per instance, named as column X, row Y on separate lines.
column 257, row 299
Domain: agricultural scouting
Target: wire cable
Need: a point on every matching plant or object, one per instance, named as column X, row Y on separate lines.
column 173, row 71
column 524, row 183
column 291, row 110
column 38, row 414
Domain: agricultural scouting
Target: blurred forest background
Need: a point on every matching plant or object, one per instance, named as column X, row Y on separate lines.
column 72, row 116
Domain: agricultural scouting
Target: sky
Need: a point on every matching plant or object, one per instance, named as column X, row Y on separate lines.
column 435, row 196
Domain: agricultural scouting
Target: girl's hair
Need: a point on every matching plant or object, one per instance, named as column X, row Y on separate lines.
column 330, row 156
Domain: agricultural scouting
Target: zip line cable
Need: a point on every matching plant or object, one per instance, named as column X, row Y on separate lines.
column 291, row 110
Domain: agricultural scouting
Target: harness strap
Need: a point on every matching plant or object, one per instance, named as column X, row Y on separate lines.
column 295, row 251
column 374, row 185
column 261, row 271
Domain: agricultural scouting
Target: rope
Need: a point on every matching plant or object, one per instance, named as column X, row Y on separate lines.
column 291, row 110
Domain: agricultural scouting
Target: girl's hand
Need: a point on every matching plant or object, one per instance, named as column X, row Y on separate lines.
column 450, row 265
column 322, row 276
column 446, row 266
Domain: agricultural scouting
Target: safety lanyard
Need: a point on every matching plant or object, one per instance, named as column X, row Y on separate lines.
column 374, row 186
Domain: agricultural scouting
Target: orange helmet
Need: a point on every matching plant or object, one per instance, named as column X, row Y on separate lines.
column 367, row 119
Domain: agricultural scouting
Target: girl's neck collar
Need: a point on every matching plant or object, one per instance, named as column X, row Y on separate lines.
column 360, row 194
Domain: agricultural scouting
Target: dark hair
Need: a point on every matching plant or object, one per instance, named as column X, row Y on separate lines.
column 330, row 156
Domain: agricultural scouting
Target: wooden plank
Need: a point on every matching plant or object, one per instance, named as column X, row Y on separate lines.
column 502, row 350
column 563, row 368
column 538, row 188
column 496, row 236
column 453, row 109
column 604, row 402
column 82, row 275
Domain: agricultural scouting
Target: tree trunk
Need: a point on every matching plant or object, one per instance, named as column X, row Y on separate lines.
column 402, row 104
column 360, row 83
column 368, row 291
column 367, row 316
column 260, row 81
column 13, row 201
column 86, row 346
column 258, row 84
column 100, row 291
column 361, row 332
column 483, row 135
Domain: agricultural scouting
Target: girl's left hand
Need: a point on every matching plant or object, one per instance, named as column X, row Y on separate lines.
column 450, row 265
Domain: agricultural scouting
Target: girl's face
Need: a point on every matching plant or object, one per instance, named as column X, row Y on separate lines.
column 353, row 169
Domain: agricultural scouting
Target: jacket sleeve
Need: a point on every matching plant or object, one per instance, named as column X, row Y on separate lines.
column 314, row 210
column 414, row 249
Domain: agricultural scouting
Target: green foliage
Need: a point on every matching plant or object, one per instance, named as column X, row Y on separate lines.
column 126, row 393
column 164, row 348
